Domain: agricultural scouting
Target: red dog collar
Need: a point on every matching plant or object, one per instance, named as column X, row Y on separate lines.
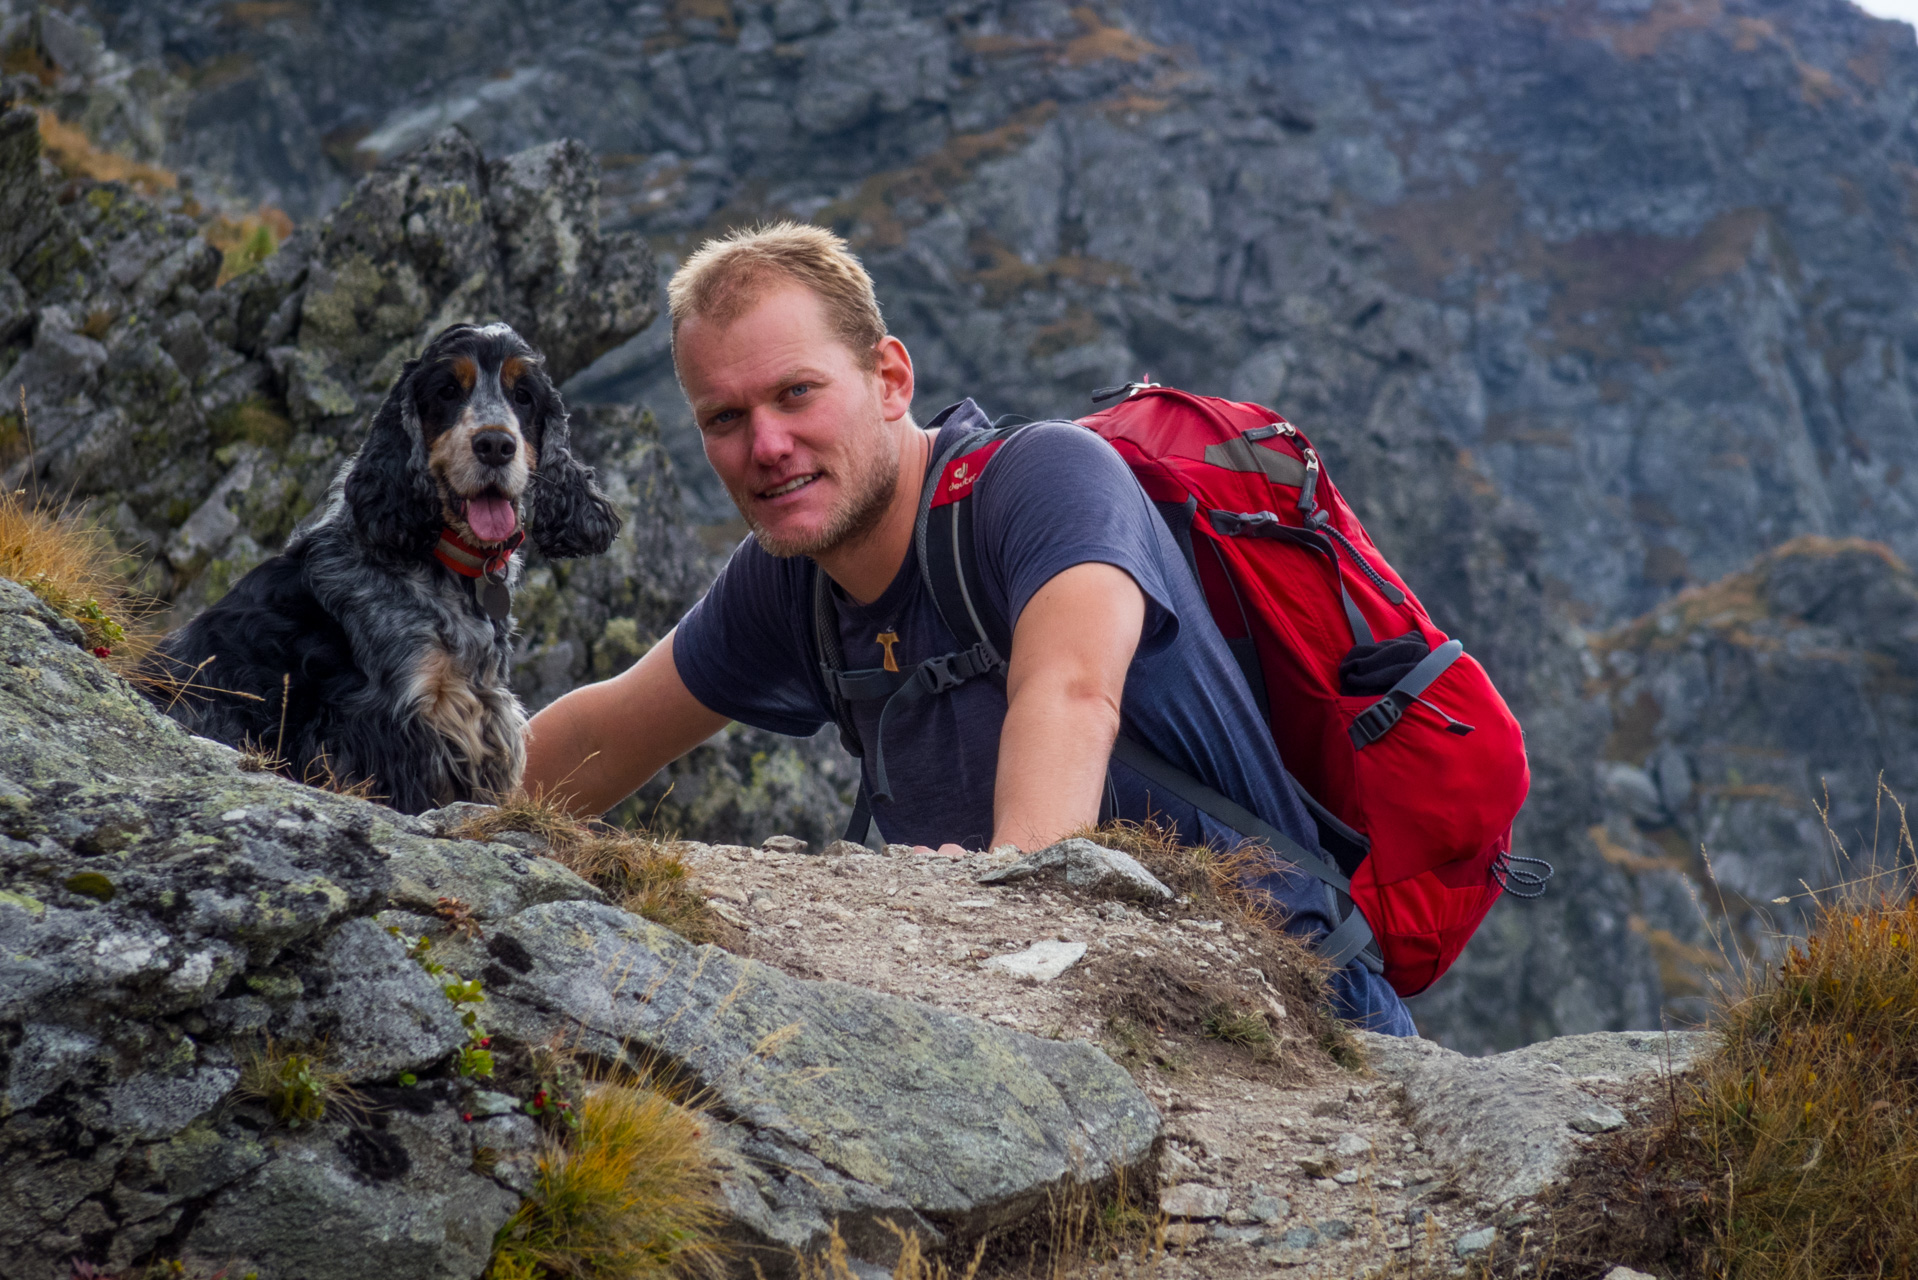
column 469, row 562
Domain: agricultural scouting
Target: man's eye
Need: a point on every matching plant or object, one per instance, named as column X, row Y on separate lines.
column 724, row 417
column 798, row 389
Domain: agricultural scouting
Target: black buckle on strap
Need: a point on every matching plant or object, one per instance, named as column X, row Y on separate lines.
column 1376, row 721
column 1242, row 524
column 950, row 670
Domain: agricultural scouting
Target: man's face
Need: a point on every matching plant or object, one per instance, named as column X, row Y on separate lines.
column 800, row 434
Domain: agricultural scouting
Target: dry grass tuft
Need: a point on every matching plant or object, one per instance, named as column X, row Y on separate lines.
column 628, row 1197
column 68, row 146
column 640, row 871
column 1087, row 1231
column 75, row 568
column 1808, row 1112
column 1791, row 1151
column 1288, row 1022
column 1214, row 879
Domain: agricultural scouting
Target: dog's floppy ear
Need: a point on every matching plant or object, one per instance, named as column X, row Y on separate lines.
column 390, row 491
column 570, row 516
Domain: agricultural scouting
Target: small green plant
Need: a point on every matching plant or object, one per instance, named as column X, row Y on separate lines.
column 547, row 1103
column 294, row 1086
column 1232, row 1025
column 476, row 1055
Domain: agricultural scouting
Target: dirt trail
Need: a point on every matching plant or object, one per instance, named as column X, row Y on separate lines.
column 1276, row 1157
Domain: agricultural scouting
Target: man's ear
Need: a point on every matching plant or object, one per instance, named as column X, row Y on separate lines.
column 894, row 371
column 390, row 492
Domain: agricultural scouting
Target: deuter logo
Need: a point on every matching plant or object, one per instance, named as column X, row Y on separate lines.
column 962, row 477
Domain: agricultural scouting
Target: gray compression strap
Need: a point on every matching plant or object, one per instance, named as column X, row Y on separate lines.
column 1377, row 720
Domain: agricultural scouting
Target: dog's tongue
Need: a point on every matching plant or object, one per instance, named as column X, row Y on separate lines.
column 492, row 519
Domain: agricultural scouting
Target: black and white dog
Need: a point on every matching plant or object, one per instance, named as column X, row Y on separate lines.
column 375, row 648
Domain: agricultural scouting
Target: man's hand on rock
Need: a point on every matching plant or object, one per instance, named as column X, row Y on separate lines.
column 947, row 850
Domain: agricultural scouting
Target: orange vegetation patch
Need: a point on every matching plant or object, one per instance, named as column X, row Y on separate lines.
column 1102, row 40
column 69, row 148
column 254, row 15
column 1097, row 41
column 719, row 13
column 1647, row 36
column 27, row 60
column 246, row 242
column 1731, row 605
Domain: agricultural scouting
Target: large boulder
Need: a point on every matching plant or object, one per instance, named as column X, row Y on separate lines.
column 169, row 920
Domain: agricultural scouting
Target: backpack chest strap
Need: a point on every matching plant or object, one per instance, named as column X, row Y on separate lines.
column 900, row 689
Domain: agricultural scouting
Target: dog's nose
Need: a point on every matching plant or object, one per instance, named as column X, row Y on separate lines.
column 494, row 448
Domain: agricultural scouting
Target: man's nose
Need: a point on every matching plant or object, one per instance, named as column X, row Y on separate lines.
column 772, row 440
column 494, row 448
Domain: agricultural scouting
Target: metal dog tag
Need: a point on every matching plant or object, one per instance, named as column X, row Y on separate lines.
column 493, row 597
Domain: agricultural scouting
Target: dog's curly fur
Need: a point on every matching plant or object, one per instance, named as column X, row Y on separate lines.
column 368, row 661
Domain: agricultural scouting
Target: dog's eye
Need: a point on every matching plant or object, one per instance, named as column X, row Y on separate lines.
column 449, row 393
column 522, row 396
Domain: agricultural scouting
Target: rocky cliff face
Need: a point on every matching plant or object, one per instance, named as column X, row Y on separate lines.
column 1586, row 304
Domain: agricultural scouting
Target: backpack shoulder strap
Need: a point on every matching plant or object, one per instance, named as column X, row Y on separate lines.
column 943, row 542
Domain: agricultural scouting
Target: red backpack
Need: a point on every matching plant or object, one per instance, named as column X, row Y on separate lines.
column 1414, row 787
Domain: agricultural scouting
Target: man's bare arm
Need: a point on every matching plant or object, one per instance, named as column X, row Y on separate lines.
column 599, row 743
column 1064, row 681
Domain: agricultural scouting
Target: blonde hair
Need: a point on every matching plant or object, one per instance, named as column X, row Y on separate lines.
column 727, row 276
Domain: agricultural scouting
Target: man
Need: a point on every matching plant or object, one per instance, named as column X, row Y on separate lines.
column 804, row 401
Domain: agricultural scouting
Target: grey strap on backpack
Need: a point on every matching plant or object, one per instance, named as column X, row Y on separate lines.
column 896, row 690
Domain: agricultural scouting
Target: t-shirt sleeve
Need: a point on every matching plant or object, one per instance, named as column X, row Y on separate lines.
column 1055, row 496
column 743, row 649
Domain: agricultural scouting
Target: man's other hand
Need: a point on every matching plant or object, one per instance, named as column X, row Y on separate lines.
column 1071, row 649
column 601, row 742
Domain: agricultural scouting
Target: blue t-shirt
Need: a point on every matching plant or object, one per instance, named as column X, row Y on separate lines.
column 1054, row 496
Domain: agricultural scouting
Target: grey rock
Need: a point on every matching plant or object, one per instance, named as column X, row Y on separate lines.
column 339, row 1204
column 1269, row 1209
column 1351, row 1146
column 376, row 1011
column 1088, row 866
column 1616, row 1056
column 1193, row 1200
column 1476, row 1242
column 1626, row 1273
column 887, row 1110
column 1509, row 1125
column 1238, row 1235
column 1300, row 1238
column 1600, row 1117
column 1334, row 1228
column 785, row 844
column 1040, row 962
